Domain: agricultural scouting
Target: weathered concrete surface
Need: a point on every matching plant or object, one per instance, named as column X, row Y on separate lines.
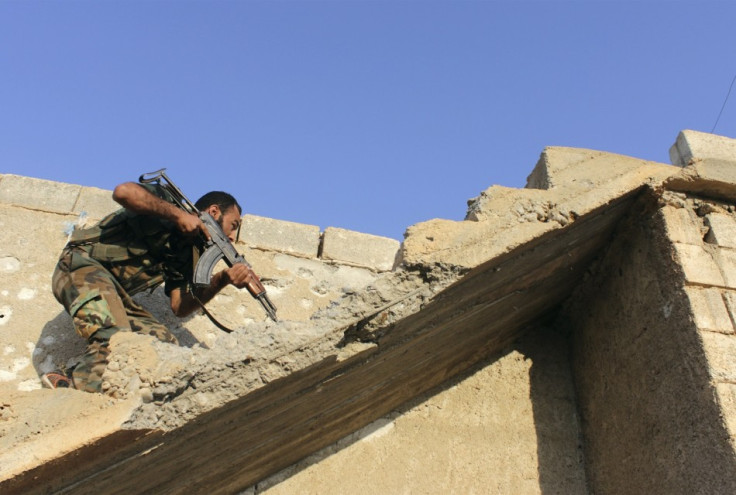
column 509, row 426
column 36, row 193
column 36, row 335
column 258, row 400
column 708, row 162
column 649, row 351
column 359, row 249
column 317, row 391
column 694, row 145
column 288, row 237
column 591, row 179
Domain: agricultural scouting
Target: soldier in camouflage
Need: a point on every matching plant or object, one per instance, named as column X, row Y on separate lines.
column 148, row 242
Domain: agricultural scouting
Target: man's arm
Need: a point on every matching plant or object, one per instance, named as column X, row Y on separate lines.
column 182, row 303
column 138, row 200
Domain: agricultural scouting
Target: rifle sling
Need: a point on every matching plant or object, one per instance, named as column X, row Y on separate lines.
column 209, row 315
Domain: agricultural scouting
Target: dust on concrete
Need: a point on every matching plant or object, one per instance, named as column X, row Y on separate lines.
column 176, row 384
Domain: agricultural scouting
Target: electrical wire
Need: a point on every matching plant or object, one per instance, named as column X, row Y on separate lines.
column 724, row 104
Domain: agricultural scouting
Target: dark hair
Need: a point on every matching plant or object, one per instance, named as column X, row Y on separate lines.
column 222, row 199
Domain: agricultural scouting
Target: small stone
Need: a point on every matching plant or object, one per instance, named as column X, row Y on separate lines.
column 146, row 394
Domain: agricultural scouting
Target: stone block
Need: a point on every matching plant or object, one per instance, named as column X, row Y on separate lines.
column 97, row 203
column 719, row 351
column 698, row 265
column 722, row 229
column 552, row 162
column 726, row 260
column 575, row 169
column 726, row 393
column 360, row 249
column 38, row 194
column 693, row 145
column 709, row 310
column 280, row 235
column 682, row 225
column 729, row 298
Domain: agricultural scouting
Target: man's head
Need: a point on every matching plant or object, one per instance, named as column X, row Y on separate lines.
column 224, row 208
column 222, row 199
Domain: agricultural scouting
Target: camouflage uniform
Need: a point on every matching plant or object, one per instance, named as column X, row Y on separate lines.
column 103, row 266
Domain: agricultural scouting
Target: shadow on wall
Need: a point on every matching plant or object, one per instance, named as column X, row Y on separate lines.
column 59, row 346
column 559, row 440
column 650, row 414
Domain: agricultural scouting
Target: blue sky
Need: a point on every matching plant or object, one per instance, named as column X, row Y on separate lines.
column 365, row 115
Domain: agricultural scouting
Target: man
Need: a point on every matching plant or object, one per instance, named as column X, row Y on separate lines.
column 148, row 242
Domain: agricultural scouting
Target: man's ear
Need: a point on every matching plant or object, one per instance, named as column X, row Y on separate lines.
column 214, row 210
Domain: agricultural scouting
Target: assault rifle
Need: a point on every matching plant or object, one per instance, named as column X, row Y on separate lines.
column 217, row 248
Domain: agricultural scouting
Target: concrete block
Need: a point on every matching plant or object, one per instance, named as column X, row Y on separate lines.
column 709, row 177
column 698, row 265
column 722, row 229
column 280, row 235
column 575, row 170
column 694, row 145
column 726, row 260
column 552, row 162
column 96, row 202
column 720, row 351
column 726, row 393
column 729, row 298
column 359, row 249
column 682, row 225
column 38, row 194
column 709, row 310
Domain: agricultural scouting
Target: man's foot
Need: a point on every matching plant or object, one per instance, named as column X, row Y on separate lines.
column 56, row 379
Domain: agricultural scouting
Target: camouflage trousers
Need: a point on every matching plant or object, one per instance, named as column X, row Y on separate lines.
column 100, row 307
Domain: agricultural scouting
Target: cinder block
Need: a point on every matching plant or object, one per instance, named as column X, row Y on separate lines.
column 722, row 229
column 726, row 260
column 682, row 225
column 698, row 265
column 96, row 202
column 38, row 194
column 729, row 298
column 719, row 351
column 693, row 145
column 359, row 249
column 726, row 393
column 280, row 235
column 552, row 162
column 709, row 310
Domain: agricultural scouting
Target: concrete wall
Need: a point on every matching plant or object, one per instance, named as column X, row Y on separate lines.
column 288, row 256
column 439, row 373
column 650, row 410
column 653, row 359
column 508, row 426
column 654, row 346
column 37, row 336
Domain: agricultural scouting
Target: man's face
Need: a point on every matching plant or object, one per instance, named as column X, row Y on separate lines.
column 229, row 221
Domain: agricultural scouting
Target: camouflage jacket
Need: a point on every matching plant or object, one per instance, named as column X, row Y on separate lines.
column 141, row 251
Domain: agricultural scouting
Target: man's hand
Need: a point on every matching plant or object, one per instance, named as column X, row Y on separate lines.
column 242, row 276
column 238, row 275
column 190, row 224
